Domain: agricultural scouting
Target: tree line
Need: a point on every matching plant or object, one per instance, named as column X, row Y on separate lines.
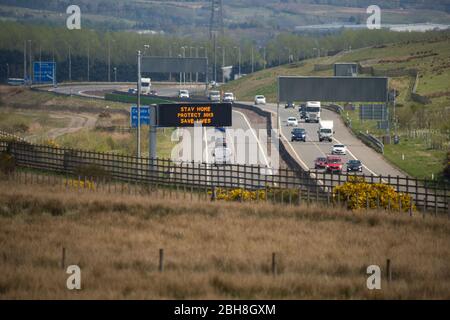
column 73, row 49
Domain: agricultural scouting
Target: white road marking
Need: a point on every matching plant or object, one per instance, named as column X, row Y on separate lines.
column 256, row 138
column 353, row 156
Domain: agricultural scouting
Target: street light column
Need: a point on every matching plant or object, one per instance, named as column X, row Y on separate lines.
column 138, row 149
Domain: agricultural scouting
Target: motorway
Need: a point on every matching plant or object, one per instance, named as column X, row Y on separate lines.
column 304, row 152
column 97, row 90
column 307, row 152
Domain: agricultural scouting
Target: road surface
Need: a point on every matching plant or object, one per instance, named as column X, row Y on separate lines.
column 307, row 152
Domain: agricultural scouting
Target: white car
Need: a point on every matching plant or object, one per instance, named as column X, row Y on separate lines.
column 260, row 99
column 183, row 94
column 292, row 122
column 214, row 96
column 339, row 149
column 228, row 97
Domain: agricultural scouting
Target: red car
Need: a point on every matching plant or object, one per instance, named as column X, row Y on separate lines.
column 334, row 164
column 320, row 163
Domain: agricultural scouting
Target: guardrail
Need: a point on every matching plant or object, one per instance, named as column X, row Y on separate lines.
column 371, row 141
column 333, row 107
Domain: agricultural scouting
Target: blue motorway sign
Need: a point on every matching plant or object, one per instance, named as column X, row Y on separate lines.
column 145, row 116
column 44, row 72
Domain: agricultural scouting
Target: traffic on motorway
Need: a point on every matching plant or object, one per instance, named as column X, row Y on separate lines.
column 310, row 128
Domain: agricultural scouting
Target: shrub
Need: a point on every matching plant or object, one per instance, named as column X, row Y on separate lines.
column 356, row 192
column 80, row 184
column 239, row 194
column 51, row 143
column 7, row 163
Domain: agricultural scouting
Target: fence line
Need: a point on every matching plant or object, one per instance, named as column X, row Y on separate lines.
column 427, row 195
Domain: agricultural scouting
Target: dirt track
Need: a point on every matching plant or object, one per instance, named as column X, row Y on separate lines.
column 77, row 122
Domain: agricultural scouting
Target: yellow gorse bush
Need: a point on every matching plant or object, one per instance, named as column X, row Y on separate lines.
column 358, row 194
column 80, row 184
column 239, row 194
column 51, row 143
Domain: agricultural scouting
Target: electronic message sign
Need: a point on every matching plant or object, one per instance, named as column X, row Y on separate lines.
column 190, row 114
column 345, row 89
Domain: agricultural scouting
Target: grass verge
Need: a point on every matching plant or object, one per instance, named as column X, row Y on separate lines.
column 214, row 251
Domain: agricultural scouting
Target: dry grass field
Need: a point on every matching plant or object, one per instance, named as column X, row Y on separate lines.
column 212, row 250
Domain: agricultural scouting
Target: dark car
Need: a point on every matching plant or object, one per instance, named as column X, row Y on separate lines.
column 298, row 134
column 289, row 105
column 354, row 165
column 302, row 111
column 320, row 163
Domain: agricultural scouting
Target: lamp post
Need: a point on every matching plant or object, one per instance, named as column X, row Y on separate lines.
column 88, row 62
column 223, row 62
column 253, row 62
column 196, row 55
column 25, row 61
column 170, row 56
column 264, row 55
column 239, row 59
column 206, row 56
column 7, row 72
column 289, row 56
column 138, row 149
column 190, row 55
column 70, row 65
column 184, row 74
column 30, row 67
column 109, row 60
column 179, row 56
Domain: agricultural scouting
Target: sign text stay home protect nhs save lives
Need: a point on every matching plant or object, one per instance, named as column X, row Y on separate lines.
column 187, row 115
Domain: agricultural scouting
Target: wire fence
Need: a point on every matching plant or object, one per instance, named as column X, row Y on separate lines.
column 428, row 195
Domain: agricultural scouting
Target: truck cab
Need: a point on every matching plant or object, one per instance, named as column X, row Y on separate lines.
column 325, row 131
column 146, row 84
column 312, row 111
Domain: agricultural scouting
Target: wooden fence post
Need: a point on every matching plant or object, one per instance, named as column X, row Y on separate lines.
column 274, row 264
column 388, row 270
column 63, row 258
column 161, row 260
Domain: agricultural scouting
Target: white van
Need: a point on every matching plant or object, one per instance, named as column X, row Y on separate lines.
column 326, row 130
column 222, row 155
column 183, row 94
column 146, row 84
column 214, row 96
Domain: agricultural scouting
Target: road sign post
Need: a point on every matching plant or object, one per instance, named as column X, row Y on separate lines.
column 152, row 136
column 143, row 118
column 44, row 72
